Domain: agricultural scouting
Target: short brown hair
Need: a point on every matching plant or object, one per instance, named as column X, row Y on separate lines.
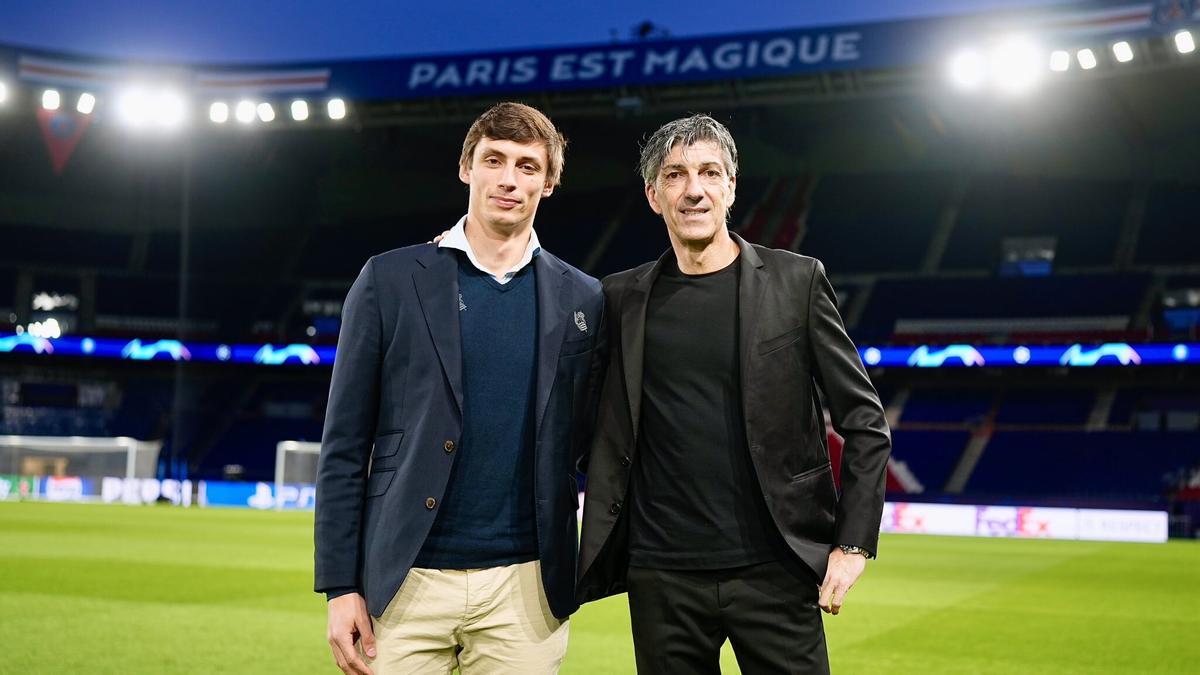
column 520, row 123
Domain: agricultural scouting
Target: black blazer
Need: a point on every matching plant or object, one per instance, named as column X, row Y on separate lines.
column 791, row 339
column 394, row 420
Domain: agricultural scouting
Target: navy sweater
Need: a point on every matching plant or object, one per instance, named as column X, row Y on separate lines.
column 486, row 518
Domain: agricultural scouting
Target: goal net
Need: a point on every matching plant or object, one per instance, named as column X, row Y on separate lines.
column 295, row 462
column 79, row 456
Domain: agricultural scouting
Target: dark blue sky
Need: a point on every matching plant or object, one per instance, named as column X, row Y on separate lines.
column 289, row 30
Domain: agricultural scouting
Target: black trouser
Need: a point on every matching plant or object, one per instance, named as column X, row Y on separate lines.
column 770, row 615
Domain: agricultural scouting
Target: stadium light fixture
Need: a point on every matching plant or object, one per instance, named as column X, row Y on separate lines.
column 1015, row 65
column 244, row 112
column 86, row 103
column 1122, row 52
column 218, row 112
column 133, row 107
column 3, row 91
column 266, row 112
column 169, row 109
column 967, row 70
column 1060, row 60
column 1184, row 42
column 1087, row 58
column 336, row 109
column 51, row 99
column 299, row 110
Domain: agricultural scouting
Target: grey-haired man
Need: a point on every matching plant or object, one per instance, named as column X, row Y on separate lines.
column 710, row 495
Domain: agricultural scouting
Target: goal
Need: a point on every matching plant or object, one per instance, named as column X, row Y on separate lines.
column 295, row 462
column 79, row 456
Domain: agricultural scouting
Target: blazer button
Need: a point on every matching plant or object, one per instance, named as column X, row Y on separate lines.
column 625, row 461
column 615, row 508
column 430, row 502
column 449, row 446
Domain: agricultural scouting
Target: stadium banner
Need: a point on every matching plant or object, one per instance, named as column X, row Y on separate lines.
column 66, row 488
column 961, row 520
column 257, row 495
column 1106, row 525
column 774, row 53
column 1025, row 522
column 18, row 487
column 947, row 519
column 1076, row 355
column 115, row 490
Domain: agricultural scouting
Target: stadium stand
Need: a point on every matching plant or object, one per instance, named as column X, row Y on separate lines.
column 929, row 456
column 1084, row 217
column 894, row 216
column 1130, row 466
column 947, row 406
column 1076, row 304
column 1170, row 233
column 1044, row 406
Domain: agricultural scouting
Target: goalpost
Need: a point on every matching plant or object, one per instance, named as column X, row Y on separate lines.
column 295, row 462
column 78, row 456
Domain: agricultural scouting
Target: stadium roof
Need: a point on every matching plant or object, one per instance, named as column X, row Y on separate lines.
column 231, row 31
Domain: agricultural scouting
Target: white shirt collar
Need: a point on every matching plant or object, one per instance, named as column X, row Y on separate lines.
column 457, row 239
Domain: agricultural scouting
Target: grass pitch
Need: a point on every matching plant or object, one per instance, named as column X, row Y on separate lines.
column 114, row 589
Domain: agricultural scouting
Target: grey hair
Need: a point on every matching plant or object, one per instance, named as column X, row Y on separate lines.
column 688, row 131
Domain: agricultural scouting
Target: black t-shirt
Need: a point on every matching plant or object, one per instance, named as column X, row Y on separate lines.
column 696, row 503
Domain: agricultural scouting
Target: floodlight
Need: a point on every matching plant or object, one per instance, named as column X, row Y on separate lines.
column 218, row 112
column 168, row 108
column 1184, row 42
column 245, row 112
column 1060, row 60
column 86, row 103
column 133, row 107
column 337, row 109
column 1015, row 65
column 51, row 99
column 966, row 69
column 299, row 110
column 1122, row 51
column 265, row 112
column 1087, row 59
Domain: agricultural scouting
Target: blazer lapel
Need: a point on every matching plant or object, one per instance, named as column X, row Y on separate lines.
column 437, row 291
column 633, row 337
column 751, row 285
column 553, row 298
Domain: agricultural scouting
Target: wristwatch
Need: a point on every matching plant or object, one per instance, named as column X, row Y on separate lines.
column 851, row 550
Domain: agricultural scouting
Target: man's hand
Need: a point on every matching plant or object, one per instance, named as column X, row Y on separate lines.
column 349, row 623
column 438, row 239
column 844, row 570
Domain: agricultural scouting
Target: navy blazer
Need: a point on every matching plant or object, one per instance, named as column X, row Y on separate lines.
column 394, row 420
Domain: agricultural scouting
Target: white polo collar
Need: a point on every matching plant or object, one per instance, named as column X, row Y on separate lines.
column 457, row 239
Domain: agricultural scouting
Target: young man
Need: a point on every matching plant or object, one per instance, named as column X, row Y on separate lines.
column 446, row 496
column 710, row 493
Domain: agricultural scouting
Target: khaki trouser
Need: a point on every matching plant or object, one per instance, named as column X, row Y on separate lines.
column 483, row 621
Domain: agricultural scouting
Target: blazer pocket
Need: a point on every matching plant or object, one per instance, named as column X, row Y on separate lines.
column 577, row 346
column 815, row 471
column 387, row 444
column 379, row 482
column 782, row 340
